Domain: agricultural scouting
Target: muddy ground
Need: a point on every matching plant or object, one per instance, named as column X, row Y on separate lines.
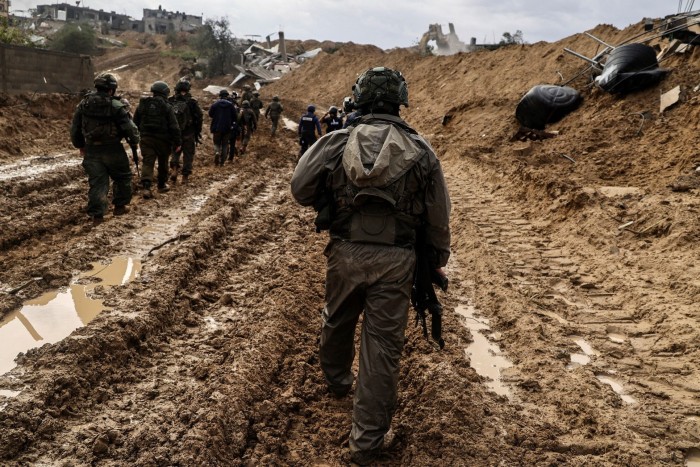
column 577, row 277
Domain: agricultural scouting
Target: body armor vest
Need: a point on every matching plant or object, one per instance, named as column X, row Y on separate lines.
column 98, row 120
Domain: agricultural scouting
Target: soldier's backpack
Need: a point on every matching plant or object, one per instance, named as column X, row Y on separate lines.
column 153, row 116
column 98, row 123
column 182, row 113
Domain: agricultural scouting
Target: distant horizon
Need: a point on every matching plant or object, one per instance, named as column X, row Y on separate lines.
column 389, row 27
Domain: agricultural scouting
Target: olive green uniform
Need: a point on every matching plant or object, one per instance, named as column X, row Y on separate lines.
column 371, row 255
column 274, row 111
column 99, row 123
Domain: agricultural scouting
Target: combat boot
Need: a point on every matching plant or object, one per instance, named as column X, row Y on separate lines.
column 163, row 189
column 96, row 220
column 185, row 179
column 147, row 192
column 173, row 175
column 120, row 210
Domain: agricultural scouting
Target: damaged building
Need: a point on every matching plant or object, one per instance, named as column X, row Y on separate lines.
column 162, row 21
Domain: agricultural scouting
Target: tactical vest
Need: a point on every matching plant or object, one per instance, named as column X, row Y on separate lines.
column 182, row 111
column 98, row 120
column 381, row 214
column 153, row 113
column 275, row 109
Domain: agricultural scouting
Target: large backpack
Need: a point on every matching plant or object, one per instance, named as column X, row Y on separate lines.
column 98, row 122
column 182, row 113
column 153, row 116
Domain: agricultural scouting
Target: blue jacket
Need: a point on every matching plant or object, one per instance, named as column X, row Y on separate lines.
column 223, row 116
column 307, row 123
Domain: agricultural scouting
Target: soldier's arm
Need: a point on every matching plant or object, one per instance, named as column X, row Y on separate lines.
column 174, row 128
column 313, row 165
column 437, row 214
column 126, row 125
column 197, row 115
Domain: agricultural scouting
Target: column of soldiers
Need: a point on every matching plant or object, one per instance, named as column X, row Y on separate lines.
column 166, row 128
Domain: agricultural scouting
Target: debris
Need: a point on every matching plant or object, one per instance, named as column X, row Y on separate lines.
column 568, row 158
column 625, row 225
column 669, row 98
column 630, row 67
column 523, row 151
column 524, row 134
column 544, row 104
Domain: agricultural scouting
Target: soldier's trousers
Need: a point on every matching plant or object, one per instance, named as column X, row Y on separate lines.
column 152, row 150
column 376, row 279
column 275, row 121
column 188, row 148
column 100, row 165
column 306, row 141
column 221, row 142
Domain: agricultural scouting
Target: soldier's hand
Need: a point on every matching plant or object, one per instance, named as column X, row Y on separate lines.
column 440, row 279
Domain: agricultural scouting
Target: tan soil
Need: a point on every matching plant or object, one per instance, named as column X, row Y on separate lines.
column 209, row 357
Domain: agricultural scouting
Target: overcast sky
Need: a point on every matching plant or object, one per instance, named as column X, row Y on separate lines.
column 389, row 24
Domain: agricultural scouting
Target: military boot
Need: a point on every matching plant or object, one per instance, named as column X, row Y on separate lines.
column 147, row 191
column 173, row 174
column 185, row 179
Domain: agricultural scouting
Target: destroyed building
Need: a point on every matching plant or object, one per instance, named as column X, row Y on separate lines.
column 154, row 21
column 5, row 8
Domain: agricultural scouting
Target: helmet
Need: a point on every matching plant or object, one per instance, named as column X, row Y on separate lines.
column 256, row 93
column 105, row 81
column 275, row 98
column 311, row 108
column 183, row 85
column 234, row 94
column 246, row 86
column 380, row 84
column 348, row 104
column 160, row 87
column 223, row 93
column 245, row 104
column 333, row 110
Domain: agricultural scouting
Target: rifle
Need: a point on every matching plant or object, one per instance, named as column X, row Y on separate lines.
column 135, row 156
column 423, row 296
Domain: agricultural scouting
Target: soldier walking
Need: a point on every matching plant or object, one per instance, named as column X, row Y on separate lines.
column 273, row 112
column 160, row 133
column 223, row 116
column 189, row 119
column 100, row 122
column 248, row 124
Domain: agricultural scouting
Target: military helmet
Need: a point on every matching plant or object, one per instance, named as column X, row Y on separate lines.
column 105, row 81
column 333, row 110
column 348, row 104
column 380, row 84
column 183, row 85
column 311, row 108
column 246, row 86
column 275, row 98
column 256, row 93
column 245, row 104
column 160, row 87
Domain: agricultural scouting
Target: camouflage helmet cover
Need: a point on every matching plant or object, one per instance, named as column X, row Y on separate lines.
column 105, row 81
column 380, row 84
column 160, row 87
column 245, row 104
column 275, row 98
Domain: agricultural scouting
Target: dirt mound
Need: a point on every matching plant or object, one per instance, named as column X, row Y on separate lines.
column 574, row 259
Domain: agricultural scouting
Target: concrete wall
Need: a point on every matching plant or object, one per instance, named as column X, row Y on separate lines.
column 23, row 69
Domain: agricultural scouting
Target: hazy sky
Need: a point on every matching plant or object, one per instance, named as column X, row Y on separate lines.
column 390, row 24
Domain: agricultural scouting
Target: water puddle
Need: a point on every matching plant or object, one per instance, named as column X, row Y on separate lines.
column 617, row 388
column 485, row 356
column 581, row 359
column 692, row 458
column 290, row 125
column 33, row 166
column 54, row 315
column 617, row 338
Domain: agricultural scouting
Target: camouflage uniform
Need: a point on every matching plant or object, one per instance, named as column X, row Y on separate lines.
column 190, row 135
column 99, row 123
column 159, row 135
column 248, row 123
column 381, row 183
column 273, row 112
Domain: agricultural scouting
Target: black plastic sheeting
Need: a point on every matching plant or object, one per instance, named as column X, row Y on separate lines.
column 630, row 68
column 546, row 104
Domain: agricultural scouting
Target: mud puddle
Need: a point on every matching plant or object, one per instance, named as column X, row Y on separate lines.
column 36, row 165
column 617, row 388
column 485, row 355
column 54, row 315
column 581, row 358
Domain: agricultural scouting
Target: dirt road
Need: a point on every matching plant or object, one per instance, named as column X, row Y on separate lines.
column 571, row 321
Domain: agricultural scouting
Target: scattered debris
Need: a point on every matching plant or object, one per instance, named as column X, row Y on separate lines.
column 524, row 134
column 568, row 158
column 669, row 98
column 630, row 67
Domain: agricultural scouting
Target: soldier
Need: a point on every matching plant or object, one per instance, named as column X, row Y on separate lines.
column 247, row 93
column 235, row 128
column 273, row 112
column 256, row 104
column 308, row 125
column 380, row 199
column 99, row 123
column 332, row 120
column 248, row 124
column 160, row 133
column 223, row 116
column 189, row 119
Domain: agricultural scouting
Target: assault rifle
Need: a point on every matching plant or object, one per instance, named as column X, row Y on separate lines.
column 135, row 156
column 423, row 296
